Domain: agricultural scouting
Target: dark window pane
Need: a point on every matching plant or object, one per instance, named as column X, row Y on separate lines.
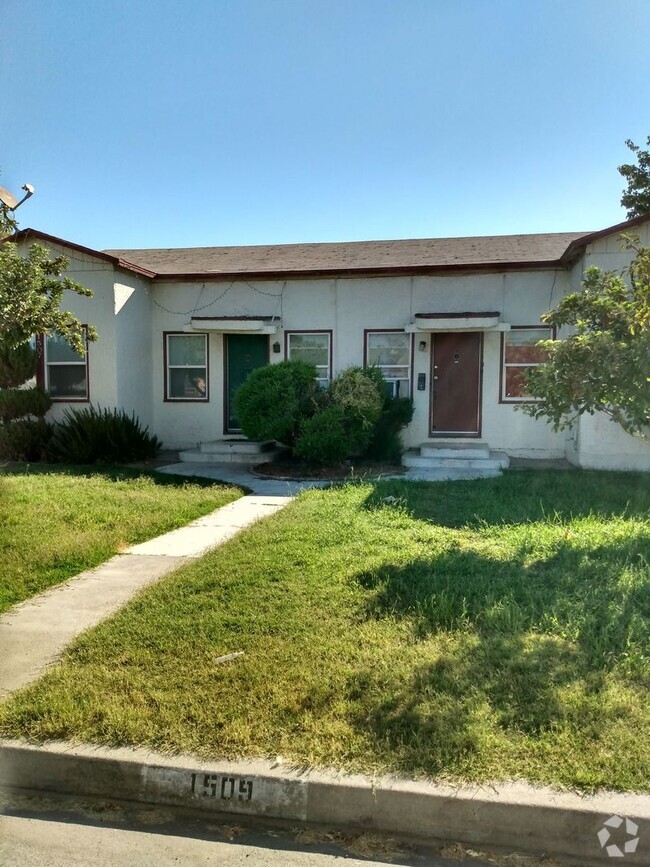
column 188, row 383
column 67, row 380
column 515, row 386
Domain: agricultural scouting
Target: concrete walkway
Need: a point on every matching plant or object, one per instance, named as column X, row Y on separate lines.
column 239, row 474
column 34, row 633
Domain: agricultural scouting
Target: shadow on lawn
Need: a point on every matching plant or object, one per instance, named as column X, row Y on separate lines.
column 115, row 473
column 526, row 646
column 521, row 496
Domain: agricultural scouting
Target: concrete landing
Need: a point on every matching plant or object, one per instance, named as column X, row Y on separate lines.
column 34, row 633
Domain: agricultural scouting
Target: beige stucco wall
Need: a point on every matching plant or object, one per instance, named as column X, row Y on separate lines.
column 126, row 366
column 347, row 307
column 119, row 361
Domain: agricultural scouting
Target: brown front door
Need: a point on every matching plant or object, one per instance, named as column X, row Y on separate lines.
column 456, row 383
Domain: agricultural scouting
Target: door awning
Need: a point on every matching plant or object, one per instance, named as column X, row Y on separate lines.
column 235, row 324
column 489, row 320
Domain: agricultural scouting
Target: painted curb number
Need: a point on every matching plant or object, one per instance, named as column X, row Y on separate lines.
column 224, row 788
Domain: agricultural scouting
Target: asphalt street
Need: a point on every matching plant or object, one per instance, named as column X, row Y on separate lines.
column 52, row 832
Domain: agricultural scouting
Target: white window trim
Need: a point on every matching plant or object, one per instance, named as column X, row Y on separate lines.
column 169, row 367
column 408, row 368
column 504, row 398
column 82, row 362
column 321, row 380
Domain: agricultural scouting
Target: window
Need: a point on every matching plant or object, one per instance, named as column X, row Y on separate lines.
column 66, row 372
column 519, row 353
column 186, row 368
column 390, row 351
column 313, row 347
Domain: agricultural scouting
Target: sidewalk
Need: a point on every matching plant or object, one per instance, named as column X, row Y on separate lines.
column 34, row 633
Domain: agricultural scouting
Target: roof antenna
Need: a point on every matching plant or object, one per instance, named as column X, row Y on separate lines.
column 10, row 201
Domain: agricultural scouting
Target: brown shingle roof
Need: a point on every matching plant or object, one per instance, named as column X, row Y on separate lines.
column 482, row 251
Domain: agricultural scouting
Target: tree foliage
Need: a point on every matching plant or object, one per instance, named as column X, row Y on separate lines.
column 604, row 365
column 31, row 291
column 636, row 198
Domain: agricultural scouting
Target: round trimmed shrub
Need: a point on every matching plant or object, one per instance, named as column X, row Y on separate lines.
column 324, row 439
column 25, row 440
column 22, row 402
column 276, row 399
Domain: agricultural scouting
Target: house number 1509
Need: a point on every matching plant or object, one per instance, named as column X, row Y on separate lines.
column 224, row 788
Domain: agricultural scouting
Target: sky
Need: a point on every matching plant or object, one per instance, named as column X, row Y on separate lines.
column 161, row 123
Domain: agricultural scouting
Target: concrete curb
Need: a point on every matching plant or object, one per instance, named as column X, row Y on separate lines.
column 515, row 816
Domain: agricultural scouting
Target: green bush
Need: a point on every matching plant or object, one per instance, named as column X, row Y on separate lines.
column 90, row 435
column 386, row 442
column 22, row 402
column 25, row 440
column 276, row 399
column 361, row 396
column 324, row 439
column 17, row 365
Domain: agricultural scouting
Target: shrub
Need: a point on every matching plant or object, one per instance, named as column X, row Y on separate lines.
column 21, row 402
column 386, row 442
column 324, row 438
column 360, row 394
column 25, row 440
column 90, row 435
column 276, row 399
column 17, row 365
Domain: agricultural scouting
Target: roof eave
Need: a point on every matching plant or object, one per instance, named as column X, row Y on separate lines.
column 361, row 271
column 118, row 262
column 573, row 251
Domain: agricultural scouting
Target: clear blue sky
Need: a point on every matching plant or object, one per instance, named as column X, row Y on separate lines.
column 166, row 123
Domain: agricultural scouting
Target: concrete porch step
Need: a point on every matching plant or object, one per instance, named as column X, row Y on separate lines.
column 234, row 445
column 232, row 451
column 446, row 449
column 490, row 460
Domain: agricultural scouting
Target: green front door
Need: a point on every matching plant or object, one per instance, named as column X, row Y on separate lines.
column 244, row 352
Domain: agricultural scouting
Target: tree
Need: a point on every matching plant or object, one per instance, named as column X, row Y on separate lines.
column 637, row 196
column 31, row 291
column 604, row 365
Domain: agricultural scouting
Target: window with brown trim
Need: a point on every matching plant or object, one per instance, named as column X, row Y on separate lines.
column 520, row 352
column 390, row 351
column 65, row 370
column 186, row 367
column 312, row 347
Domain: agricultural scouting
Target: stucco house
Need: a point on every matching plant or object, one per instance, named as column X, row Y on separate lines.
column 452, row 322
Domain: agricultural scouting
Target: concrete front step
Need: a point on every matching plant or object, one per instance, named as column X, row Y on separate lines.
column 198, row 456
column 492, row 461
column 448, row 449
column 236, row 446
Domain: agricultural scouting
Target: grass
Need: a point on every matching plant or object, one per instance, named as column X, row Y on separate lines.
column 56, row 522
column 467, row 631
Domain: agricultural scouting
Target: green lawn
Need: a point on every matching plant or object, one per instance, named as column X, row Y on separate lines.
column 480, row 630
column 56, row 522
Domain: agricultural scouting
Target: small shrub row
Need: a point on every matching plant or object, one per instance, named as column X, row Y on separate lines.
column 91, row 435
column 25, row 440
column 85, row 436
